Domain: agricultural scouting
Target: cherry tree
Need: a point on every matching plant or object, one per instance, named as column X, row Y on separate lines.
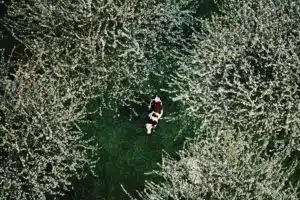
column 243, row 69
column 117, row 43
column 42, row 144
column 229, row 166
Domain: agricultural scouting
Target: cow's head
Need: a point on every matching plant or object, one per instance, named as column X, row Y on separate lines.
column 157, row 99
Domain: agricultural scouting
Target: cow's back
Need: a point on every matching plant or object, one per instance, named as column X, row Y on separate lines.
column 156, row 107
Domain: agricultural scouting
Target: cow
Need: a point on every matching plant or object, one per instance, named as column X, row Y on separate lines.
column 155, row 111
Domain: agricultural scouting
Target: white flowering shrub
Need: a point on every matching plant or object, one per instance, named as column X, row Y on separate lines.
column 81, row 37
column 230, row 166
column 116, row 42
column 42, row 145
column 244, row 69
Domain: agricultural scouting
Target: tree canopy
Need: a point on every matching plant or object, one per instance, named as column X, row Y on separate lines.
column 235, row 74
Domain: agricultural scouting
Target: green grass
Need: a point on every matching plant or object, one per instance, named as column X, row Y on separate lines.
column 127, row 152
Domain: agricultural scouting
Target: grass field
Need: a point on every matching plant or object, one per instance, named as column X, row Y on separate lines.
column 126, row 154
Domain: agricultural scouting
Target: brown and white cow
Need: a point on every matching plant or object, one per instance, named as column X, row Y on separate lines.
column 154, row 114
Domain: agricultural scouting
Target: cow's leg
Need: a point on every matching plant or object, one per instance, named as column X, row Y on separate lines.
column 150, row 104
column 149, row 128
